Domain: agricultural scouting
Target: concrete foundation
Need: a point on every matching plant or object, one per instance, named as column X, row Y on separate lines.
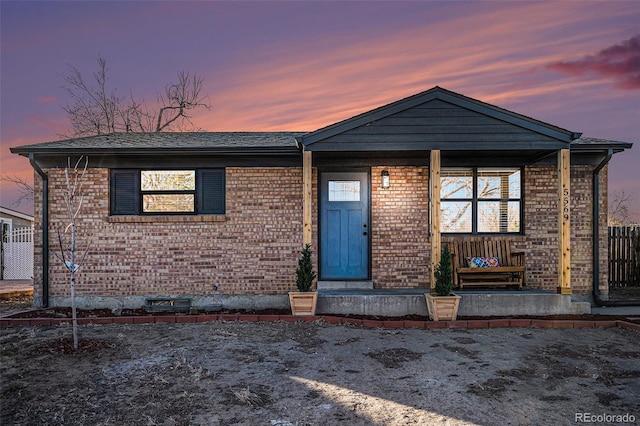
column 400, row 302
column 255, row 302
column 519, row 303
column 390, row 303
column 387, row 302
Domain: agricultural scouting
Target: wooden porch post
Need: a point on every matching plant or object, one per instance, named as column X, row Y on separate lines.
column 306, row 196
column 564, row 222
column 434, row 212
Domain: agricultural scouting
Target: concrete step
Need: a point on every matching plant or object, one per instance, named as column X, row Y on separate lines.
column 345, row 285
column 400, row 302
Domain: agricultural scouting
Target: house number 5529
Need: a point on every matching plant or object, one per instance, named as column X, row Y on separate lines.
column 565, row 204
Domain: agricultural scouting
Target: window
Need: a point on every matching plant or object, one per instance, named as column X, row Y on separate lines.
column 168, row 191
column 159, row 192
column 5, row 228
column 344, row 190
column 480, row 200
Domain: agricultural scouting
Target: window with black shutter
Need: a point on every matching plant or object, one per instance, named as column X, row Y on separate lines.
column 165, row 192
column 125, row 192
column 211, row 190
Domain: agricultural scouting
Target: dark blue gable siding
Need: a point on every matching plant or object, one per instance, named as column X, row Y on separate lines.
column 442, row 123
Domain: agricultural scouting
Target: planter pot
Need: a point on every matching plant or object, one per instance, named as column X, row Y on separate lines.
column 303, row 302
column 442, row 308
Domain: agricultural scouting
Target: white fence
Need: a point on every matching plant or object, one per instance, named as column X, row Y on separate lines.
column 17, row 252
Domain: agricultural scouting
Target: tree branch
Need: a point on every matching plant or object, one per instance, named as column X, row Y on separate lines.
column 25, row 189
column 95, row 109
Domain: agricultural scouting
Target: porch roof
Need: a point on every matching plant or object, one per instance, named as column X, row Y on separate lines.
column 591, row 145
column 438, row 119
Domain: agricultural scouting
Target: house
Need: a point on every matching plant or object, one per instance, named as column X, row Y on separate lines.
column 11, row 219
column 16, row 244
column 221, row 217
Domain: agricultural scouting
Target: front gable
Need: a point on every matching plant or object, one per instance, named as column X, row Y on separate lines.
column 438, row 119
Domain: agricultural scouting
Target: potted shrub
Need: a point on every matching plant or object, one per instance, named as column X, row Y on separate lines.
column 303, row 302
column 442, row 304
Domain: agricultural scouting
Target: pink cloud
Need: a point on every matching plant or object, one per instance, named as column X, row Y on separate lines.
column 620, row 61
column 47, row 99
column 42, row 122
column 315, row 82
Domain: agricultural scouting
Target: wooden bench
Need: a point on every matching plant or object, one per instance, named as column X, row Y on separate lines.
column 511, row 271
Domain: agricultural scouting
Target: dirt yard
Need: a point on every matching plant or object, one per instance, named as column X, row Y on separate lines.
column 15, row 304
column 314, row 373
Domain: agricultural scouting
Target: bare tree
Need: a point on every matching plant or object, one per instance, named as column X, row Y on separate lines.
column 73, row 199
column 179, row 99
column 96, row 109
column 25, row 189
column 619, row 214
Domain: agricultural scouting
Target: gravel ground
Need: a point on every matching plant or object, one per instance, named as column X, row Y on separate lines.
column 314, row 373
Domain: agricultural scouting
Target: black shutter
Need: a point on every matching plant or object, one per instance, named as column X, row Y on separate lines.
column 125, row 192
column 211, row 191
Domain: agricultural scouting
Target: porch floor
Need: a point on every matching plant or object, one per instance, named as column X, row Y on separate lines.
column 422, row 291
column 474, row 303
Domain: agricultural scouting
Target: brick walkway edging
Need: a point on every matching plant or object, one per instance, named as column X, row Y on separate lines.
column 468, row 324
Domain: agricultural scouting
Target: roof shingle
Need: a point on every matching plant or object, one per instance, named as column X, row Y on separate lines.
column 134, row 141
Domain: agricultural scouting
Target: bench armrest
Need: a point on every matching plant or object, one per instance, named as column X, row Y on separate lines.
column 518, row 258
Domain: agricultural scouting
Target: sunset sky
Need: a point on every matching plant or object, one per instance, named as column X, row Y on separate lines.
column 303, row 65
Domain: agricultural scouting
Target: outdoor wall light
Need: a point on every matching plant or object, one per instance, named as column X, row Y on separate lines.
column 386, row 180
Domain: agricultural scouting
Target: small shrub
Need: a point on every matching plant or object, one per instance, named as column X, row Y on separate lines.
column 305, row 273
column 443, row 275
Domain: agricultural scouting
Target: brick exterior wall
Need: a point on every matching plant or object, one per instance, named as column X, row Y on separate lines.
column 254, row 248
column 37, row 236
column 400, row 246
column 541, row 228
column 581, row 230
column 604, row 231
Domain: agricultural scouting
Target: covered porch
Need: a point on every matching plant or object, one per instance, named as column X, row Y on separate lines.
column 425, row 134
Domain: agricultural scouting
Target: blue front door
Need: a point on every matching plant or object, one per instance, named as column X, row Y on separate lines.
column 344, row 226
